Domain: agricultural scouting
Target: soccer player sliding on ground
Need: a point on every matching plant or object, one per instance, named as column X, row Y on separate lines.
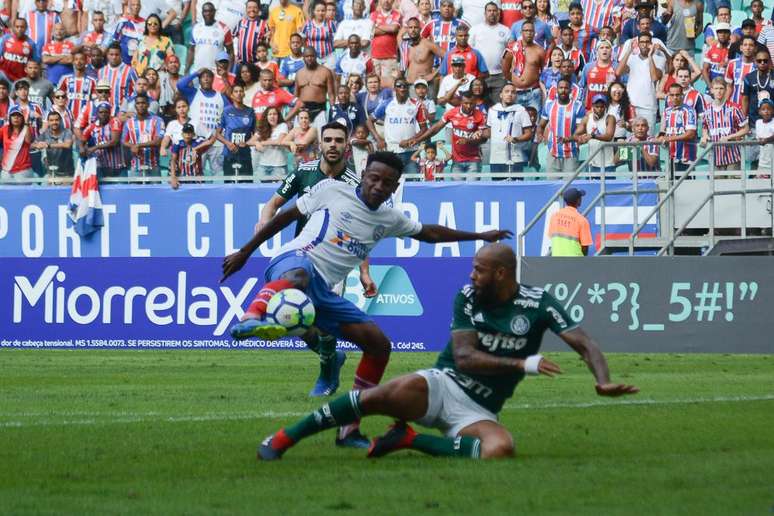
column 345, row 223
column 497, row 330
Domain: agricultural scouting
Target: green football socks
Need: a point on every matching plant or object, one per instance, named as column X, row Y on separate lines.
column 342, row 411
column 468, row 447
column 327, row 352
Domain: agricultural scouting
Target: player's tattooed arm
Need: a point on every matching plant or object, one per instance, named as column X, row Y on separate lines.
column 585, row 346
column 469, row 359
column 436, row 233
column 233, row 262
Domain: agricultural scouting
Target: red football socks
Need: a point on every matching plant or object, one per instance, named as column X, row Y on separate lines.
column 257, row 308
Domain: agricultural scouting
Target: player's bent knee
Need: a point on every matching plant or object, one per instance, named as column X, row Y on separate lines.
column 497, row 449
column 298, row 277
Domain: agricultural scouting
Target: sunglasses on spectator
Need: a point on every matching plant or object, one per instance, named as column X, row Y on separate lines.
column 401, row 85
column 59, row 96
column 763, row 61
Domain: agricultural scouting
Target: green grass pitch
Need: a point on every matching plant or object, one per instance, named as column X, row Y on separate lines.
column 175, row 432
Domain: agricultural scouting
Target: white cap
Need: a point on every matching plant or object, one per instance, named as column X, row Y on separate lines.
column 722, row 26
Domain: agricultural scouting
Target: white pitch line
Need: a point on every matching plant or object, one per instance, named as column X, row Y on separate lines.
column 148, row 417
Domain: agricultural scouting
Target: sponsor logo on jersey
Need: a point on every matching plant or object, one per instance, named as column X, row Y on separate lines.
column 479, row 317
column 505, row 341
column 520, row 325
column 350, row 244
column 526, row 303
column 557, row 317
column 379, row 232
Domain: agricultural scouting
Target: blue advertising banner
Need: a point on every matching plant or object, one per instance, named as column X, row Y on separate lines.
column 211, row 221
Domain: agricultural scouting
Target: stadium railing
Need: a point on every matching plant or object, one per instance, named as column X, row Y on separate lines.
column 673, row 190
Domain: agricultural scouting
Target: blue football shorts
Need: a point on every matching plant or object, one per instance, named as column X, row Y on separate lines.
column 330, row 308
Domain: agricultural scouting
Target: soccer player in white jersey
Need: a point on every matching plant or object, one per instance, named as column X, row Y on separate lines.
column 345, row 224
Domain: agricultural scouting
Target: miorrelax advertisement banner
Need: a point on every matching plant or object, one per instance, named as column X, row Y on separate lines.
column 149, row 277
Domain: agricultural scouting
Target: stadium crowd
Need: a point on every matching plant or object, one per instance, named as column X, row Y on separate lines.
column 228, row 87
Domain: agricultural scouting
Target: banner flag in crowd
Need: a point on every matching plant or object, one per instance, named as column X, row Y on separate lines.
column 85, row 207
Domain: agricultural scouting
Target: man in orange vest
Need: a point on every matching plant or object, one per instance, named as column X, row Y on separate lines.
column 570, row 231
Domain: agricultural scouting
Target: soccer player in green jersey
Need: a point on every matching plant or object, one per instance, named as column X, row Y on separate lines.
column 497, row 331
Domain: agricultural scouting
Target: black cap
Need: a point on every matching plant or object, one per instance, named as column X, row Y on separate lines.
column 188, row 128
column 748, row 23
column 573, row 195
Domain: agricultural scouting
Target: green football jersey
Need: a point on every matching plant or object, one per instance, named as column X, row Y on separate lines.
column 513, row 329
column 305, row 177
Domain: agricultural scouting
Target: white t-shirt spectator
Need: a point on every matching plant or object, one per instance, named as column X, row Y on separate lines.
column 401, row 122
column 448, row 83
column 346, row 7
column 363, row 28
column 766, row 157
column 275, row 155
column 209, row 41
column 472, row 10
column 641, row 87
column 491, row 41
column 348, row 65
column 110, row 8
column 506, row 121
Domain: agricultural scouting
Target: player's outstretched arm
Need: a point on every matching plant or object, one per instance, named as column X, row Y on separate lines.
column 233, row 262
column 436, row 233
column 469, row 359
column 585, row 346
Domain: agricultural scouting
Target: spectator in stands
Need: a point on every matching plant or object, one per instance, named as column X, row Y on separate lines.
column 16, row 138
column 645, row 70
column 208, row 39
column 597, row 128
column 717, row 54
column 269, row 135
column 142, row 135
column 455, row 84
column 522, row 62
column 678, row 129
column 569, row 230
column 600, row 74
column 284, row 19
column 583, row 36
column 404, row 119
column 442, row 30
column 41, row 89
column 683, row 19
column 723, row 123
column 97, row 36
column 120, row 76
column 348, row 113
column 469, row 132
column 567, row 72
column 314, row 85
column 738, row 69
column 766, row 37
column 17, row 50
column 681, row 60
column 237, row 125
column 542, row 34
column 631, row 29
column 419, row 55
column 41, row 23
column 758, row 86
column 358, row 25
column 552, row 72
column 302, row 138
column 56, row 142
column 128, row 107
column 353, row 61
column 764, row 131
column 490, row 38
column 206, row 109
column 174, row 130
column 474, row 61
column 620, row 108
column 558, row 123
column 569, row 48
column 5, row 104
column 96, row 61
column 250, row 31
column 387, row 23
column 723, row 16
column 101, row 138
column 510, row 125
column 223, row 79
column 319, row 34
column 432, row 164
column 153, row 48
column 57, row 55
column 647, row 155
column 129, row 31
column 292, row 63
column 187, row 156
column 78, row 86
column 748, row 29
column 692, row 97
column 421, row 94
column 59, row 106
column 372, row 97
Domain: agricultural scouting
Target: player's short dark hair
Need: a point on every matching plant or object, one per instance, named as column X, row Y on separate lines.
column 467, row 94
column 573, row 6
column 143, row 96
column 569, row 83
column 675, row 85
column 54, row 113
column 114, row 46
column 3, row 82
column 336, row 126
column 21, row 83
column 388, row 158
column 431, row 145
column 206, row 71
column 491, row 3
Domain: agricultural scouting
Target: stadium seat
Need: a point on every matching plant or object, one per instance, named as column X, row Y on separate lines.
column 737, row 17
column 181, row 51
column 707, row 19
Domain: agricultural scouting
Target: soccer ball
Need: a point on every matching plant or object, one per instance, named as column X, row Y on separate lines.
column 292, row 309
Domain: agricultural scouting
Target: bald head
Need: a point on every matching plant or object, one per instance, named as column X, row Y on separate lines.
column 498, row 255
